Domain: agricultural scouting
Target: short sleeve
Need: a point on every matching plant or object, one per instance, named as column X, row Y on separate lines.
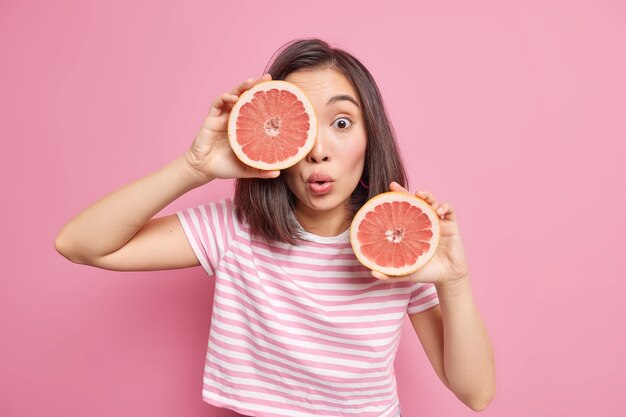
column 209, row 229
column 423, row 297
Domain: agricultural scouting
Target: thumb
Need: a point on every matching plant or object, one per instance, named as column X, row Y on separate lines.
column 394, row 186
column 261, row 173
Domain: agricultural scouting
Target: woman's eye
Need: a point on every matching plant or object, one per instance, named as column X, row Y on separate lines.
column 343, row 123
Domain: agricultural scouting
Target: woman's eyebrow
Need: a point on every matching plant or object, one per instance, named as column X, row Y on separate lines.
column 342, row 97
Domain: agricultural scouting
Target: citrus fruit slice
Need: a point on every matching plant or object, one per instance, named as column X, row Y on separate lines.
column 395, row 233
column 272, row 125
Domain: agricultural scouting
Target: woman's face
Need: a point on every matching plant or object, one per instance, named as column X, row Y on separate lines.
column 325, row 179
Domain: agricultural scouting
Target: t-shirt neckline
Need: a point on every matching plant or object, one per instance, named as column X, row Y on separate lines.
column 343, row 237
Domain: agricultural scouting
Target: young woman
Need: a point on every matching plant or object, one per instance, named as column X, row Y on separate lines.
column 299, row 326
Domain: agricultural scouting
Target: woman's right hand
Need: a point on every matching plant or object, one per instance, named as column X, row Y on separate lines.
column 210, row 155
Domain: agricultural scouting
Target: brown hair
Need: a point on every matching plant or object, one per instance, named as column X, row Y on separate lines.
column 267, row 204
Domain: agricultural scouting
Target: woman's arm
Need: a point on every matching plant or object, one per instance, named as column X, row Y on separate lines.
column 452, row 333
column 457, row 344
column 118, row 231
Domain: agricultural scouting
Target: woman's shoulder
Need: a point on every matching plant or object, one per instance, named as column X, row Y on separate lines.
column 219, row 212
column 224, row 204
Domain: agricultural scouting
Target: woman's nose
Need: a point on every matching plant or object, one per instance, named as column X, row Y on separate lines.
column 320, row 152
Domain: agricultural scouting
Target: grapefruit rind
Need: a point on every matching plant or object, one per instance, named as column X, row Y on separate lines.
column 246, row 97
column 395, row 196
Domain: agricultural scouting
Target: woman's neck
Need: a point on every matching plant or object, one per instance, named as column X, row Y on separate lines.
column 323, row 223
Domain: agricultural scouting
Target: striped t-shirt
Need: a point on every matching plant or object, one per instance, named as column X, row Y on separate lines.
column 297, row 330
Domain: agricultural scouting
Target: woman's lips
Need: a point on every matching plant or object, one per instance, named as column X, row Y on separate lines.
column 320, row 188
column 320, row 183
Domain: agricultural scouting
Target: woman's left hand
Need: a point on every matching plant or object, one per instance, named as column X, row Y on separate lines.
column 448, row 263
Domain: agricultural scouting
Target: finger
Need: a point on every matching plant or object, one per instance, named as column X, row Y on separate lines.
column 379, row 275
column 249, row 83
column 261, row 173
column 390, row 279
column 229, row 102
column 242, row 87
column 428, row 197
column 265, row 77
column 268, row 174
column 261, row 79
column 220, row 104
column 446, row 212
column 394, row 186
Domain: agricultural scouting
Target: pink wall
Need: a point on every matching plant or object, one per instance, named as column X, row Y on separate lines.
column 512, row 111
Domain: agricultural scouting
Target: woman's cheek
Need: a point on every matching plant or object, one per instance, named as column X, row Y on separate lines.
column 355, row 154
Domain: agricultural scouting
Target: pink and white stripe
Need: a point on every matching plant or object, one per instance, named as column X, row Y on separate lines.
column 297, row 330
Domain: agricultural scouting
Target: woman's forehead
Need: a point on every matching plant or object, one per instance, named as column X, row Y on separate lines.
column 323, row 84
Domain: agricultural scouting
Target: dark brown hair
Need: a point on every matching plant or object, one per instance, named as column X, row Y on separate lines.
column 267, row 204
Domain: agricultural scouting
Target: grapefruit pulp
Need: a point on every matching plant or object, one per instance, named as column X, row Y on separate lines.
column 395, row 233
column 272, row 125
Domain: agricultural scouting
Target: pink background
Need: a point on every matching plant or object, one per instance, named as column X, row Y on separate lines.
column 512, row 111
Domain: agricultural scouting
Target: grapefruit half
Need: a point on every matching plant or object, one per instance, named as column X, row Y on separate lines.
column 395, row 233
column 272, row 125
